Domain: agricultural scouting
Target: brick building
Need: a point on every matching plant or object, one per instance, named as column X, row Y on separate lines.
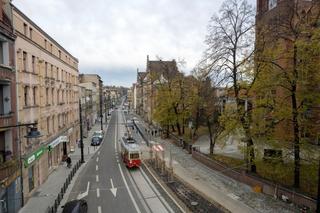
column 9, row 150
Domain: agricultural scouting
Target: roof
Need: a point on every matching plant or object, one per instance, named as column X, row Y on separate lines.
column 166, row 68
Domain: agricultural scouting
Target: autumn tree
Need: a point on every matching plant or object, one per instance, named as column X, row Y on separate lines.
column 288, row 88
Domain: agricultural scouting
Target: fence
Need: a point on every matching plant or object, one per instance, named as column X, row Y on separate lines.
column 57, row 201
column 252, row 180
column 140, row 132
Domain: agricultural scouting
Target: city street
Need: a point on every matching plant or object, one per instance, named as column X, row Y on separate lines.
column 108, row 186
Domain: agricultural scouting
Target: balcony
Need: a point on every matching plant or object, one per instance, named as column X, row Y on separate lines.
column 8, row 168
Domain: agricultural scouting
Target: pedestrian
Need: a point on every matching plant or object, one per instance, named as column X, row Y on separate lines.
column 68, row 162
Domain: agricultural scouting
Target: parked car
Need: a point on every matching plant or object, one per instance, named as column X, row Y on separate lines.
column 98, row 133
column 75, row 206
column 95, row 141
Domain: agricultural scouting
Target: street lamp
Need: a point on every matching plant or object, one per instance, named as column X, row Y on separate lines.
column 81, row 132
column 33, row 133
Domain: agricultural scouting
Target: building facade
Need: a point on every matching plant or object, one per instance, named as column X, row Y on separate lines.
column 47, row 85
column 97, row 99
column 9, row 150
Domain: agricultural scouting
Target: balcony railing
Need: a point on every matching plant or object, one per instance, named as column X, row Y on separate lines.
column 8, row 168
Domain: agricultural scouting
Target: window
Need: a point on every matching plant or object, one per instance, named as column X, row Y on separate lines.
column 26, row 95
column 4, row 52
column 25, row 62
column 52, row 95
column 47, row 96
column 58, row 93
column 272, row 4
column 53, row 117
column 57, row 73
column 25, row 29
column 59, row 53
column 51, row 48
column 45, row 44
column 48, row 125
column 5, row 98
column 31, row 178
column 34, row 95
column 30, row 32
column 33, row 64
column 46, row 68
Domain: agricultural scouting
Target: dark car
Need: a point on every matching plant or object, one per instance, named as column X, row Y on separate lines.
column 95, row 141
column 75, row 206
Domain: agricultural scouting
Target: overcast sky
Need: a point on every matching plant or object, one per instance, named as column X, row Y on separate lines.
column 113, row 37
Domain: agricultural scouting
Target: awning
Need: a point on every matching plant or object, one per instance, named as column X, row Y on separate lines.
column 58, row 140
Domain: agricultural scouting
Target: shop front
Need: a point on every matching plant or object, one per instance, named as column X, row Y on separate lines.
column 31, row 172
column 56, row 150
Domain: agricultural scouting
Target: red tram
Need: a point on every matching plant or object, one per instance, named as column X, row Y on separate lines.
column 130, row 153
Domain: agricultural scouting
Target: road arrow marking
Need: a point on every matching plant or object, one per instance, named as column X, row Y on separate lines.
column 82, row 195
column 112, row 189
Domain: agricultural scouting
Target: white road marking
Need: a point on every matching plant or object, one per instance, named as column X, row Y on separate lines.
column 123, row 178
column 97, row 159
column 97, row 178
column 99, row 209
column 99, row 153
column 82, row 195
column 117, row 161
column 97, row 167
column 129, row 191
column 112, row 189
column 98, row 192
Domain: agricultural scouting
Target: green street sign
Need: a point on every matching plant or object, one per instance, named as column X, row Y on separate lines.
column 34, row 156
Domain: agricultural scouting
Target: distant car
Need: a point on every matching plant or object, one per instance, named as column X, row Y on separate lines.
column 75, row 206
column 95, row 141
column 98, row 133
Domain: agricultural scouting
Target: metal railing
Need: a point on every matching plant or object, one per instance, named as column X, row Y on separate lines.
column 57, row 201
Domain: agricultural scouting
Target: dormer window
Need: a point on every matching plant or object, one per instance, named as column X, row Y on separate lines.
column 272, row 4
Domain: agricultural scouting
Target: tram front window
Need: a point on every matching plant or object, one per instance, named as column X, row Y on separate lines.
column 134, row 156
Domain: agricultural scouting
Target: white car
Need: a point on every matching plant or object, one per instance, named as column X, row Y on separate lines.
column 98, row 133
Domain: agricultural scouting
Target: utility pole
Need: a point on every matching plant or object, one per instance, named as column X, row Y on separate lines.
column 100, row 94
column 318, row 197
column 81, row 133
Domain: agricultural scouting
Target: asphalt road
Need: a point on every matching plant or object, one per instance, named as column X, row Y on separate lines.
column 108, row 186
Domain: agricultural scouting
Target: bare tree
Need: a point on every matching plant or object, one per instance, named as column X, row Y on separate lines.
column 230, row 42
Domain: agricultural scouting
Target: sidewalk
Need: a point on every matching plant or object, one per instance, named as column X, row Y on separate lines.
column 48, row 191
column 233, row 195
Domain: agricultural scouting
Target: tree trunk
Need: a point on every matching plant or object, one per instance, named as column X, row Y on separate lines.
column 173, row 130
column 210, row 137
column 296, row 139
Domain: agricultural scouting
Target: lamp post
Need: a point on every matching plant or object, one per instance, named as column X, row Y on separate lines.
column 81, row 132
column 34, row 133
column 318, row 197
